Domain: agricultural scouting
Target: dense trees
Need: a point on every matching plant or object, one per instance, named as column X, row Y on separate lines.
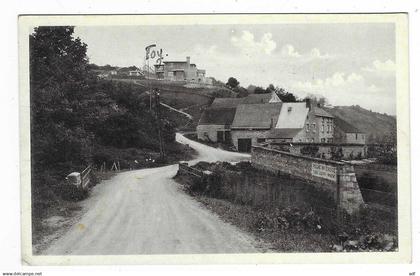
column 284, row 95
column 75, row 116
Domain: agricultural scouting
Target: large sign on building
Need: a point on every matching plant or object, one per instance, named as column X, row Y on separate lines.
column 324, row 171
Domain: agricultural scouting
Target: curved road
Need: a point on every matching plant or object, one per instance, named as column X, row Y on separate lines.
column 145, row 212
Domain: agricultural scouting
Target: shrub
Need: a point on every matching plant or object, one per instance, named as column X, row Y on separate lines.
column 309, row 150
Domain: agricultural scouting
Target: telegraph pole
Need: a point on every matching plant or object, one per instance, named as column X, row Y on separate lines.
column 158, row 123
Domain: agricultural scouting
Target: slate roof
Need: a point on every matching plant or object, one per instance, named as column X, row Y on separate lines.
column 292, row 116
column 257, row 98
column 284, row 133
column 256, row 116
column 345, row 126
column 226, row 102
column 217, row 116
column 321, row 112
column 250, row 99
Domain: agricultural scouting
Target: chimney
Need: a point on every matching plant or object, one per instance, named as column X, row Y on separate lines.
column 188, row 61
column 308, row 103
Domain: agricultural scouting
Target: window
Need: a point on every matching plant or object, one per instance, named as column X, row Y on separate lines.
column 260, row 140
column 356, row 136
column 307, row 127
column 312, row 140
column 314, row 128
column 322, row 127
column 322, row 140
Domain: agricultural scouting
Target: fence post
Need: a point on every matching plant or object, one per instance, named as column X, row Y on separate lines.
column 338, row 203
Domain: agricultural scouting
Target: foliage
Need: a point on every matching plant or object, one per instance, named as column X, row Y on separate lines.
column 317, row 100
column 309, row 150
column 232, row 82
column 283, row 95
column 260, row 90
column 77, row 119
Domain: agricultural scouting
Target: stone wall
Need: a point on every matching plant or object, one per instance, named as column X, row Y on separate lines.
column 336, row 179
column 253, row 134
column 209, row 132
column 325, row 151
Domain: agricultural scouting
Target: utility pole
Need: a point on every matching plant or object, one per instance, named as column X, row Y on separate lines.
column 158, row 123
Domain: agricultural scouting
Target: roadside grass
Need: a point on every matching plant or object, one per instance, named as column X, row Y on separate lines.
column 286, row 213
column 289, row 240
column 53, row 217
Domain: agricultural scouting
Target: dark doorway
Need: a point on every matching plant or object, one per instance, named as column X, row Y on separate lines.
column 244, row 145
column 228, row 138
column 220, row 136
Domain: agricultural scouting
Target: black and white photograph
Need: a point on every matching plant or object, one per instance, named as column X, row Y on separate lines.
column 214, row 135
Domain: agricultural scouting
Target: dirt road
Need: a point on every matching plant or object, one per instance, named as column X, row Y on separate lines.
column 145, row 212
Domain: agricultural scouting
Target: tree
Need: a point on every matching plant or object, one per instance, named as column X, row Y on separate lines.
column 232, row 82
column 317, row 100
column 285, row 96
column 58, row 77
column 260, row 90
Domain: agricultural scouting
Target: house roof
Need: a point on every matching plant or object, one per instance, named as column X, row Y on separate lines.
column 292, row 116
column 217, row 116
column 321, row 112
column 250, row 99
column 226, row 102
column 256, row 116
column 260, row 98
column 345, row 126
column 284, row 133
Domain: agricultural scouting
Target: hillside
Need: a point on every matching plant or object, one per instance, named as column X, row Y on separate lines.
column 192, row 99
column 78, row 119
column 378, row 127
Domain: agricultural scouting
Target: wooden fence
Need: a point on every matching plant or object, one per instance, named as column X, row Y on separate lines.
column 85, row 175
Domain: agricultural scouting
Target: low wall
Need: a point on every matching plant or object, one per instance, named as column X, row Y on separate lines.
column 325, row 151
column 336, row 179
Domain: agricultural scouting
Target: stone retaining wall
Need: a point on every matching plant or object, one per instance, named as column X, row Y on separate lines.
column 338, row 179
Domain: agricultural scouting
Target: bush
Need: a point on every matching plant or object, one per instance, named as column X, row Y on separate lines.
column 309, row 150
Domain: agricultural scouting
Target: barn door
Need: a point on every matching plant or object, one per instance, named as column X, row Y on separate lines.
column 244, row 144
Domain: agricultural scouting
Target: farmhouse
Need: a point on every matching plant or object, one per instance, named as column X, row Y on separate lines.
column 287, row 122
column 252, row 124
column 263, row 118
column 215, row 122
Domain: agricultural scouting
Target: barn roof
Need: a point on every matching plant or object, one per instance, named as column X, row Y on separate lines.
column 257, row 98
column 226, row 102
column 321, row 112
column 256, row 116
column 217, row 116
column 284, row 133
column 250, row 99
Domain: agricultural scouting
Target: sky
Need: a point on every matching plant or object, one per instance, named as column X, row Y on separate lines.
column 348, row 63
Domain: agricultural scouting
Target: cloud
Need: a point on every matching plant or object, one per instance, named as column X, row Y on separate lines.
column 378, row 66
column 249, row 46
column 348, row 89
column 289, row 51
column 316, row 54
column 338, row 83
